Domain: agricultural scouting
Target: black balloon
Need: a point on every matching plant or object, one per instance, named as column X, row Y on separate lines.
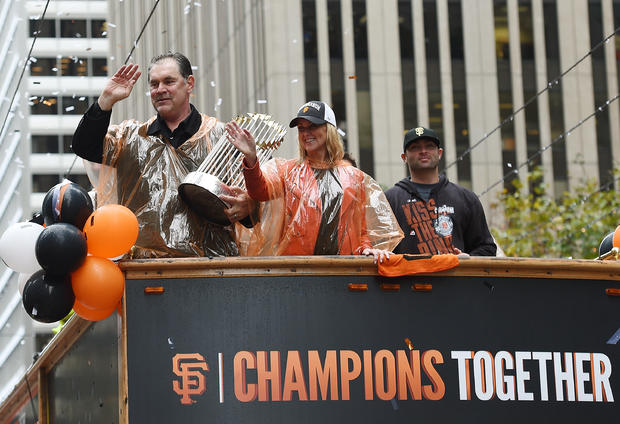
column 37, row 218
column 67, row 202
column 606, row 244
column 61, row 248
column 48, row 298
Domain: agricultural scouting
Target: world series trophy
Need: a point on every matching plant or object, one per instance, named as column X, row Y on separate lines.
column 222, row 168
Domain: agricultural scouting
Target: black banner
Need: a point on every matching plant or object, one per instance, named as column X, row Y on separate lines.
column 306, row 349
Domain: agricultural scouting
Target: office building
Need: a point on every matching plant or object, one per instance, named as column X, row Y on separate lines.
column 462, row 67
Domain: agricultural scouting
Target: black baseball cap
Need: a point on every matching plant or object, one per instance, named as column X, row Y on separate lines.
column 419, row 133
column 316, row 112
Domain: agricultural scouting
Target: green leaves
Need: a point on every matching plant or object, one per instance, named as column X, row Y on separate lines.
column 572, row 225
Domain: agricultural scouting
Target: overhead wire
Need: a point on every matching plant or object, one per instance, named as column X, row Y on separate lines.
column 549, row 85
column 26, row 63
column 135, row 44
column 562, row 136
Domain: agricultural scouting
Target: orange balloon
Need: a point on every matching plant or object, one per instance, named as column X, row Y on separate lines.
column 98, row 283
column 91, row 314
column 616, row 238
column 110, row 231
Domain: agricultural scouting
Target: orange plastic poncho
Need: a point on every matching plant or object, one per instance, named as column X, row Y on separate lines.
column 293, row 218
column 143, row 173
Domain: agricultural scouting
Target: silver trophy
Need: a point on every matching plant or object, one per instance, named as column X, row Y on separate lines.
column 222, row 168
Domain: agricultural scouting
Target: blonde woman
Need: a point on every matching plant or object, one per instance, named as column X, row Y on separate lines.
column 328, row 207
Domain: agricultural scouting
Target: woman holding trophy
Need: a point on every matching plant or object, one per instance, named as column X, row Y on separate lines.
column 317, row 204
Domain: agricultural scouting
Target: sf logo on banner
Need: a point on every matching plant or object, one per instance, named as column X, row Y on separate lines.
column 189, row 367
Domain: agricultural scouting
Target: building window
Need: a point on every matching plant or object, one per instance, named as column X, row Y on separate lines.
column 74, row 105
column 74, row 66
column 556, row 102
column 599, row 73
column 433, row 71
column 407, row 64
column 80, row 179
column 98, row 28
column 44, row 106
column 44, row 143
column 100, row 67
column 46, row 28
column 337, row 76
column 459, row 92
column 73, row 28
column 311, row 62
column 41, row 183
column 43, row 66
column 66, row 143
column 70, row 105
column 364, row 109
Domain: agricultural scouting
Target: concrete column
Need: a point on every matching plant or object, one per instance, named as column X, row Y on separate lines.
column 350, row 84
column 248, row 67
column 322, row 32
column 284, row 63
column 542, row 79
column 516, row 78
column 234, row 74
column 419, row 52
column 447, row 101
column 577, row 91
column 214, row 61
column 611, row 68
column 385, row 90
column 482, row 98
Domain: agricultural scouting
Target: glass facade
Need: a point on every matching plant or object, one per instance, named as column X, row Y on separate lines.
column 336, row 64
column 362, row 78
column 528, row 64
column 69, row 66
column 41, row 183
column 407, row 64
column 504, row 83
column 66, row 105
column 556, row 103
column 459, row 91
column 69, row 28
column 52, row 104
column 311, row 60
column 599, row 78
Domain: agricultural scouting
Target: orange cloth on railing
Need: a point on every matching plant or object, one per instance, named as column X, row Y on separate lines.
column 398, row 265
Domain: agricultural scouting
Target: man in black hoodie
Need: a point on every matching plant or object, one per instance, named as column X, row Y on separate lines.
column 437, row 216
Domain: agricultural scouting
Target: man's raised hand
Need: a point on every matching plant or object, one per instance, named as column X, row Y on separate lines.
column 119, row 86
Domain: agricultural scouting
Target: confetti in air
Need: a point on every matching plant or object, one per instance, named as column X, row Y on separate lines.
column 409, row 344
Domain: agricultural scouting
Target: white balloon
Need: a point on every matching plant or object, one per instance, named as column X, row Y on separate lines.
column 17, row 247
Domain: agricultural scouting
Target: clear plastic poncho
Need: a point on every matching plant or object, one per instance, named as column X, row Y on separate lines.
column 143, row 173
column 311, row 209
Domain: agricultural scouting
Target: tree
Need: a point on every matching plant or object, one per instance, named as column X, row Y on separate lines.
column 571, row 226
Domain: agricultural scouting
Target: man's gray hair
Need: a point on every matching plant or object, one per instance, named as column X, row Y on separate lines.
column 185, row 68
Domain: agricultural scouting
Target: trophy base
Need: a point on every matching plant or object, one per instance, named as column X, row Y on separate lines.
column 201, row 193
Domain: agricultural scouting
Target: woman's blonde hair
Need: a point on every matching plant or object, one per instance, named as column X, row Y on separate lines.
column 333, row 143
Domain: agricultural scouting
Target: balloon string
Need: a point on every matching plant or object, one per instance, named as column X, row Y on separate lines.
column 34, row 412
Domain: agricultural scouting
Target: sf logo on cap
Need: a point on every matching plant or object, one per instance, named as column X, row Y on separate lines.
column 306, row 109
column 419, row 131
